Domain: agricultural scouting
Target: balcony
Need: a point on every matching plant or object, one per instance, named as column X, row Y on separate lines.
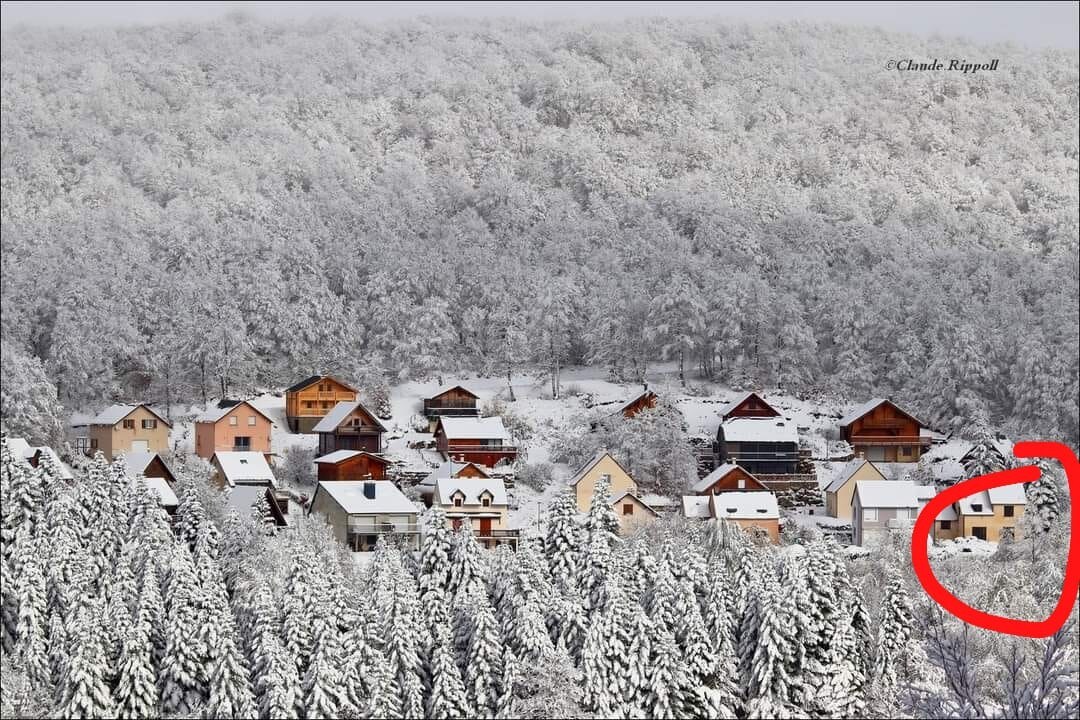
column 885, row 440
column 492, row 538
column 885, row 423
column 465, row 449
column 450, row 409
column 327, row 395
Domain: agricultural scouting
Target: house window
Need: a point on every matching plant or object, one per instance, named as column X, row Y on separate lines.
column 1009, row 511
column 486, row 502
column 129, row 424
column 251, row 420
column 628, row 509
column 234, row 421
column 149, row 424
column 946, row 524
column 742, row 483
column 309, row 404
column 241, row 443
column 326, row 404
column 869, row 514
column 93, row 443
column 979, row 532
column 976, row 507
column 457, row 502
column 905, row 451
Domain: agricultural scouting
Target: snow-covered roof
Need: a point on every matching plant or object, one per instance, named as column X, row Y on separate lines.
column 656, row 501
column 442, row 391
column 471, row 488
column 703, row 484
column 80, row 419
column 739, row 400
column 948, row 513
column 474, row 428
column 19, row 447
column 351, row 497
column 137, row 462
column 339, row 412
column 1008, row 495
column 640, row 500
column 696, row 506
column 847, row 470
column 447, row 469
column 646, row 395
column 241, row 497
column 868, row 406
column 745, row 505
column 309, row 381
column 165, row 494
column 341, row 455
column 245, row 468
column 115, row 413
column 891, row 493
column 216, row 413
column 773, row 430
column 981, row 499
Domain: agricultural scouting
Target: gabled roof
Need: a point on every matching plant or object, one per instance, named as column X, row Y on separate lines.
column 308, row 382
column 891, row 494
column 244, row 467
column 696, row 506
column 474, row 428
column 349, row 496
column 647, row 395
column 342, row 455
column 750, row 429
column 849, row 469
column 159, row 487
column 580, row 474
column 23, row 450
column 981, row 499
column 472, row 488
column 115, row 413
column 869, row 406
column 1007, row 495
column 717, row 474
column 449, row 469
column 744, row 506
column 445, row 390
column 339, row 412
column 217, row 413
column 740, row 399
column 137, row 462
column 640, row 501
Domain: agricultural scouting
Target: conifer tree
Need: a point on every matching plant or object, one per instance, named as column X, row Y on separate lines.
column 601, row 518
column 136, row 690
column 467, row 567
column 484, row 657
column 84, row 692
column 436, row 553
column 666, row 677
column 562, row 544
column 324, row 692
column 894, row 631
column 403, row 644
column 447, row 698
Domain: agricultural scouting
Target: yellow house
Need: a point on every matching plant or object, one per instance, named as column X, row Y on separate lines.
column 839, row 492
column 480, row 502
column 129, row 428
column 990, row 514
column 584, row 482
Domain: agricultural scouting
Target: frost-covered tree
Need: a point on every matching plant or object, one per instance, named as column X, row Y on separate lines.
column 562, row 543
column 84, row 691
column 447, row 698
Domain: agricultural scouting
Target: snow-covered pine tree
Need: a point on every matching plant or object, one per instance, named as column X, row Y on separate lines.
column 768, row 684
column 984, row 457
column 467, row 567
column 484, row 656
column 666, row 677
column 596, row 570
column 894, row 631
column 447, row 698
column 526, row 633
column 31, row 635
column 84, row 691
column 301, row 585
column 229, row 682
column 136, row 690
column 1044, row 497
column 262, row 516
column 601, row 518
column 661, row 597
column 642, row 574
column 403, row 641
column 182, row 667
column 384, row 700
column 323, row 687
column 691, row 637
column 436, row 553
column 563, row 543
column 604, row 657
column 190, row 514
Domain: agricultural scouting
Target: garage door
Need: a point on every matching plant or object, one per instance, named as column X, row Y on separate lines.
column 140, row 446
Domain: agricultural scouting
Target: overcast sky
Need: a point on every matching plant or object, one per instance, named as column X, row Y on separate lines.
column 1036, row 24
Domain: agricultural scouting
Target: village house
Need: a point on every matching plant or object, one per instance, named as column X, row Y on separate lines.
column 645, row 401
column 841, row 488
column 161, row 490
column 361, row 512
column 632, row 512
column 603, row 464
column 480, row 503
column 33, row 456
column 236, row 426
column 992, row 514
column 484, row 441
column 150, row 465
column 349, row 426
column 246, row 476
column 309, row 400
column 449, row 469
column 748, row 405
column 881, row 431
column 128, row 428
column 455, row 401
column 351, row 465
column 755, row 512
column 879, row 506
column 729, row 477
column 762, row 446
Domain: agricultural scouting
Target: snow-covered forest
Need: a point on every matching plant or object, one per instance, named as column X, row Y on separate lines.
column 107, row 613
column 194, row 210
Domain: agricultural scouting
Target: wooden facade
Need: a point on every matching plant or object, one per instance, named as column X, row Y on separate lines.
column 452, row 402
column 883, row 432
column 488, row 451
column 749, row 405
column 358, row 429
column 358, row 466
column 729, row 478
column 309, row 400
column 645, row 401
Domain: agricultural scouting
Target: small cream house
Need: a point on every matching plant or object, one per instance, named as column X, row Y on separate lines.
column 584, row 482
column 632, row 512
column 120, row 429
column 479, row 502
column 839, row 491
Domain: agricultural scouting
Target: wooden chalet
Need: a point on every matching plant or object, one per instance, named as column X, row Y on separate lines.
column 881, row 431
column 456, row 401
column 150, row 465
column 727, row 478
column 309, row 400
column 645, row 401
column 483, row 441
column 349, row 426
column 351, row 465
column 750, row 405
column 760, row 445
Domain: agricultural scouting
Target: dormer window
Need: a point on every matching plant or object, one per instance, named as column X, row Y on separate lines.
column 485, row 501
column 976, row 507
column 457, row 500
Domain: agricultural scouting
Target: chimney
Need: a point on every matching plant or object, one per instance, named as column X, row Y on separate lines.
column 646, row 384
column 369, row 490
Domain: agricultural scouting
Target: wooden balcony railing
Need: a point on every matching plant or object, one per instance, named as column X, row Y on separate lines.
column 885, row 423
column 885, row 440
column 451, row 410
column 481, row 449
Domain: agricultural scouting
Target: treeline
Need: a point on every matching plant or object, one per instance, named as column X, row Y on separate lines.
column 194, row 210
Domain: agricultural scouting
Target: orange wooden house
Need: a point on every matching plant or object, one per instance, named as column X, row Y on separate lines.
column 728, row 478
column 351, row 465
column 234, row 426
column 749, row 404
column 881, row 431
column 644, row 401
column 308, row 401
column 484, row 441
column 456, row 401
